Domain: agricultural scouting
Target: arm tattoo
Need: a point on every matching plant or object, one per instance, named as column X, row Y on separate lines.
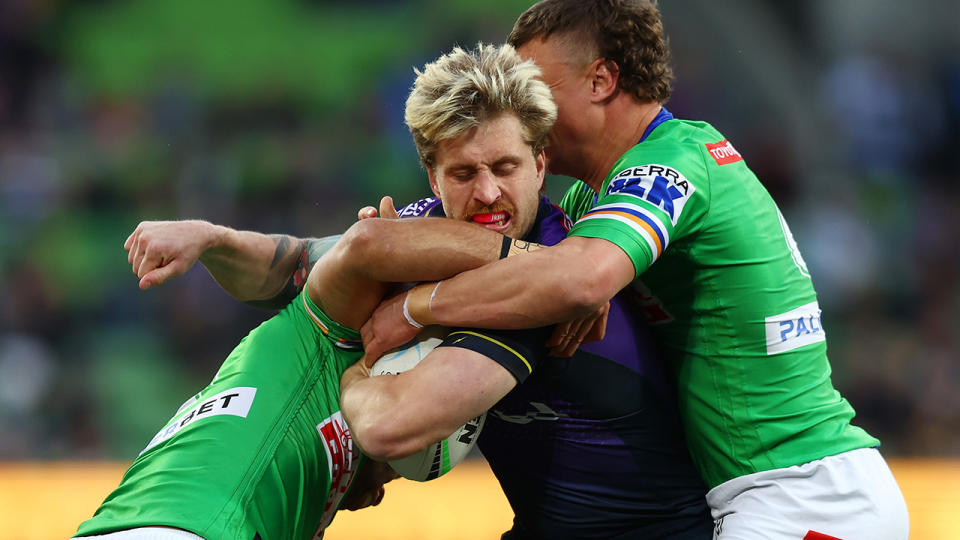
column 308, row 252
column 520, row 246
column 283, row 244
column 317, row 247
column 523, row 246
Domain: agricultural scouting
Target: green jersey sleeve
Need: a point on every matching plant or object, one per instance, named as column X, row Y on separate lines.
column 648, row 201
column 577, row 200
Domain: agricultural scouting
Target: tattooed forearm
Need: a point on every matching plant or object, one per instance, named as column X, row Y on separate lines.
column 518, row 247
column 308, row 252
column 317, row 247
column 283, row 245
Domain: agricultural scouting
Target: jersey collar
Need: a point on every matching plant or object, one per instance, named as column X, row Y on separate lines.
column 661, row 117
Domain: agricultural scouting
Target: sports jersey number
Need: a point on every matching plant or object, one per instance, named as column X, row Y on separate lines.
column 792, row 245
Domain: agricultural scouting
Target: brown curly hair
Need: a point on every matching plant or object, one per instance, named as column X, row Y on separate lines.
column 626, row 32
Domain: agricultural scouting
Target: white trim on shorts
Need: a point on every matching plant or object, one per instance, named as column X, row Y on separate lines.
column 852, row 495
column 145, row 533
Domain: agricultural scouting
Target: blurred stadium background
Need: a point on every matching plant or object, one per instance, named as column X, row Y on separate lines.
column 287, row 116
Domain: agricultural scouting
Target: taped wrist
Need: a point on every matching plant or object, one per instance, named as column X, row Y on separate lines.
column 416, row 305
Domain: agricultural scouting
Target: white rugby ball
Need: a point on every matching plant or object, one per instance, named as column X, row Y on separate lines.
column 438, row 458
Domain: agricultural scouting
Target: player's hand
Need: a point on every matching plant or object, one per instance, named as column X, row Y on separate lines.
column 567, row 337
column 159, row 251
column 367, row 486
column 387, row 210
column 387, row 328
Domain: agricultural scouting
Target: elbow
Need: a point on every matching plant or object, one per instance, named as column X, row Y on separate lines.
column 588, row 290
column 383, row 428
column 583, row 298
column 596, row 289
column 363, row 242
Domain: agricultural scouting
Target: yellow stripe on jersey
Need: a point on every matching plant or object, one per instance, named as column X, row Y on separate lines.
column 501, row 344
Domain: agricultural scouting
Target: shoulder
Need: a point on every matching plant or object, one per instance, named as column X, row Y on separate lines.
column 552, row 225
column 679, row 157
column 682, row 145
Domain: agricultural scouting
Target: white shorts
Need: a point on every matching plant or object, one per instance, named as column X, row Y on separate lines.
column 145, row 533
column 849, row 496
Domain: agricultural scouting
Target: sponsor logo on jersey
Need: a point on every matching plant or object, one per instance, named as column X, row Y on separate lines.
column 418, row 208
column 233, row 401
column 794, row 329
column 723, row 152
column 342, row 459
column 663, row 187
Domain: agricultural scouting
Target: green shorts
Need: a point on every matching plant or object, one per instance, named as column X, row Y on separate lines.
column 263, row 450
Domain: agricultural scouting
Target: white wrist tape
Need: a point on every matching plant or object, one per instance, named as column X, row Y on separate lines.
column 406, row 313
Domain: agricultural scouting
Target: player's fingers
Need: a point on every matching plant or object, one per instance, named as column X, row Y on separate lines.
column 366, row 212
column 560, row 331
column 599, row 329
column 161, row 275
column 139, row 251
column 362, row 368
column 575, row 330
column 575, row 338
column 371, row 347
column 586, row 325
column 134, row 242
column 129, row 241
column 568, row 341
column 387, row 210
column 568, row 349
column 151, row 260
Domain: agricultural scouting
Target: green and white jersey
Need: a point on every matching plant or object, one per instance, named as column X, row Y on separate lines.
column 722, row 281
column 262, row 452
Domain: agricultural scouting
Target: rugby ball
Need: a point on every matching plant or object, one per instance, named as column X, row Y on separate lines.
column 438, row 458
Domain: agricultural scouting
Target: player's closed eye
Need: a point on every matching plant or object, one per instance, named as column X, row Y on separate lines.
column 505, row 169
column 463, row 175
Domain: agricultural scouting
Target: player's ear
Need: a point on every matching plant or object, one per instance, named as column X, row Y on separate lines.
column 604, row 75
column 541, row 161
column 434, row 185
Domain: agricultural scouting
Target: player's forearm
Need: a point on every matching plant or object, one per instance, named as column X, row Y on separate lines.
column 260, row 269
column 423, row 249
column 385, row 421
column 555, row 284
column 394, row 416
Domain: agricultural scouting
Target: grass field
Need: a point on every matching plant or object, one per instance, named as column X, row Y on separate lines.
column 43, row 501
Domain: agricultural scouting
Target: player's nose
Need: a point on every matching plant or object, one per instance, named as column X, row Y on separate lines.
column 485, row 189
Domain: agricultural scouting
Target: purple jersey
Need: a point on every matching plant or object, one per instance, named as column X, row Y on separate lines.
column 589, row 446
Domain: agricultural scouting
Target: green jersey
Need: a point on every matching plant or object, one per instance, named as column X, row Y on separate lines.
column 729, row 296
column 263, row 451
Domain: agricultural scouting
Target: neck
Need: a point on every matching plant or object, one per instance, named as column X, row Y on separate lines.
column 624, row 121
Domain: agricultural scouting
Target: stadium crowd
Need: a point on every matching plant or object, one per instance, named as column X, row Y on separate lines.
column 102, row 126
